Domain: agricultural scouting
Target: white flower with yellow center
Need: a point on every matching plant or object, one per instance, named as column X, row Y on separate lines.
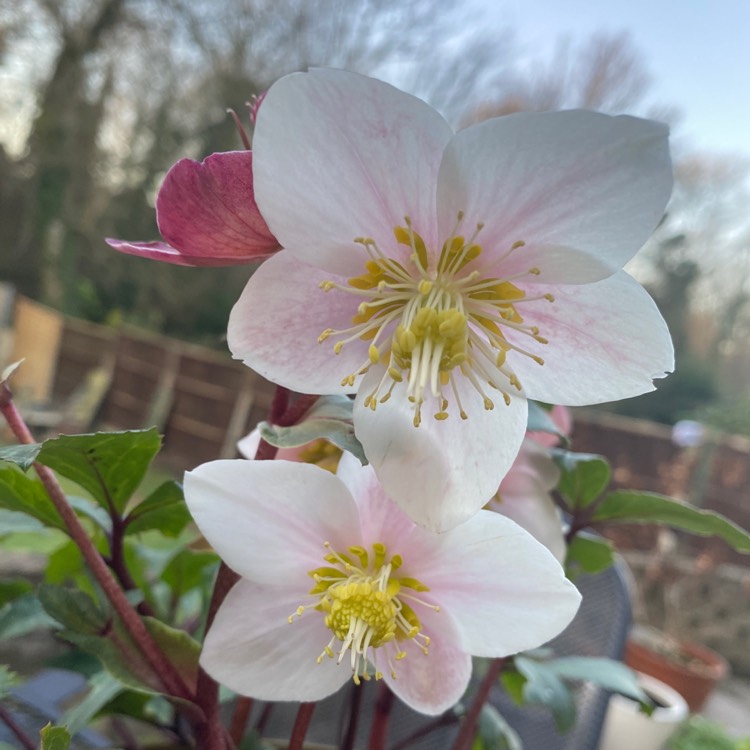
column 338, row 584
column 445, row 277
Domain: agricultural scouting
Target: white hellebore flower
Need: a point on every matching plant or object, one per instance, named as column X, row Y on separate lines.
column 338, row 583
column 445, row 277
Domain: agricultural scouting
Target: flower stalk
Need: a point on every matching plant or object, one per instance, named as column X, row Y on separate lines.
column 164, row 670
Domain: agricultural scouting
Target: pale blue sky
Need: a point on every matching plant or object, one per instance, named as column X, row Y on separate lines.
column 696, row 51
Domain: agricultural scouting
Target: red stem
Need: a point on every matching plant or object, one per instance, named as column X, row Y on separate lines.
column 242, row 708
column 21, row 736
column 301, row 723
column 161, row 666
column 379, row 730
column 469, row 724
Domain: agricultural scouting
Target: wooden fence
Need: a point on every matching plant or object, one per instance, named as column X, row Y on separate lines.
column 200, row 400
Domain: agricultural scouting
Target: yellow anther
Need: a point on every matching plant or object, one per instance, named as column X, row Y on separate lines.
column 326, row 286
column 441, row 415
column 373, row 354
column 535, row 271
column 517, row 244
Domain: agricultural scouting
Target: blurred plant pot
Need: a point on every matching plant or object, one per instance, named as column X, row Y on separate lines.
column 626, row 727
column 691, row 669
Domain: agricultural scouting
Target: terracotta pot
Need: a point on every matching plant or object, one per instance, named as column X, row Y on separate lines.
column 693, row 676
column 626, row 727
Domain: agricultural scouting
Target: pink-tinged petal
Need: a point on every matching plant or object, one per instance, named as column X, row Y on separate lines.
column 563, row 420
column 505, row 590
column 339, row 156
column 207, row 213
column 533, row 472
column 269, row 520
column 162, row 252
column 430, row 683
column 607, row 341
column 252, row 649
column 207, row 210
column 441, row 472
column 574, row 185
column 380, row 518
column 524, row 497
column 275, row 325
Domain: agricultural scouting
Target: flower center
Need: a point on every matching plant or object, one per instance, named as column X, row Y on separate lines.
column 365, row 607
column 427, row 322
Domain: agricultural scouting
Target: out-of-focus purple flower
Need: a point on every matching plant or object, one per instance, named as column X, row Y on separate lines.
column 207, row 214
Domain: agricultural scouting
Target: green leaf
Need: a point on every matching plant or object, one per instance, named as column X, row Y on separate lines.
column 125, row 661
column 494, row 733
column 179, row 647
column 10, row 590
column 25, row 494
column 543, row 686
column 74, row 609
column 330, row 418
column 108, row 465
column 647, row 507
column 88, row 508
column 102, row 688
column 608, row 673
column 513, row 683
column 22, row 615
column 65, row 563
column 133, row 703
column 164, row 509
column 588, row 554
column 15, row 522
column 55, row 738
column 8, row 680
column 129, row 667
column 22, row 456
column 253, row 741
column 188, row 570
column 584, row 477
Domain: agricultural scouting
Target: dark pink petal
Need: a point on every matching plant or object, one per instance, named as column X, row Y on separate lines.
column 165, row 253
column 207, row 214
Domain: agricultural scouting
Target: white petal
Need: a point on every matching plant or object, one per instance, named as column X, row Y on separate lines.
column 252, row 649
column 569, row 184
column 339, row 156
column 430, row 683
column 441, row 472
column 505, row 590
column 269, row 520
column 275, row 325
column 607, row 341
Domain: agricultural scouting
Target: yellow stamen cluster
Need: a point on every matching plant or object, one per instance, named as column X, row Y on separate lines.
column 430, row 319
column 365, row 608
column 322, row 453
